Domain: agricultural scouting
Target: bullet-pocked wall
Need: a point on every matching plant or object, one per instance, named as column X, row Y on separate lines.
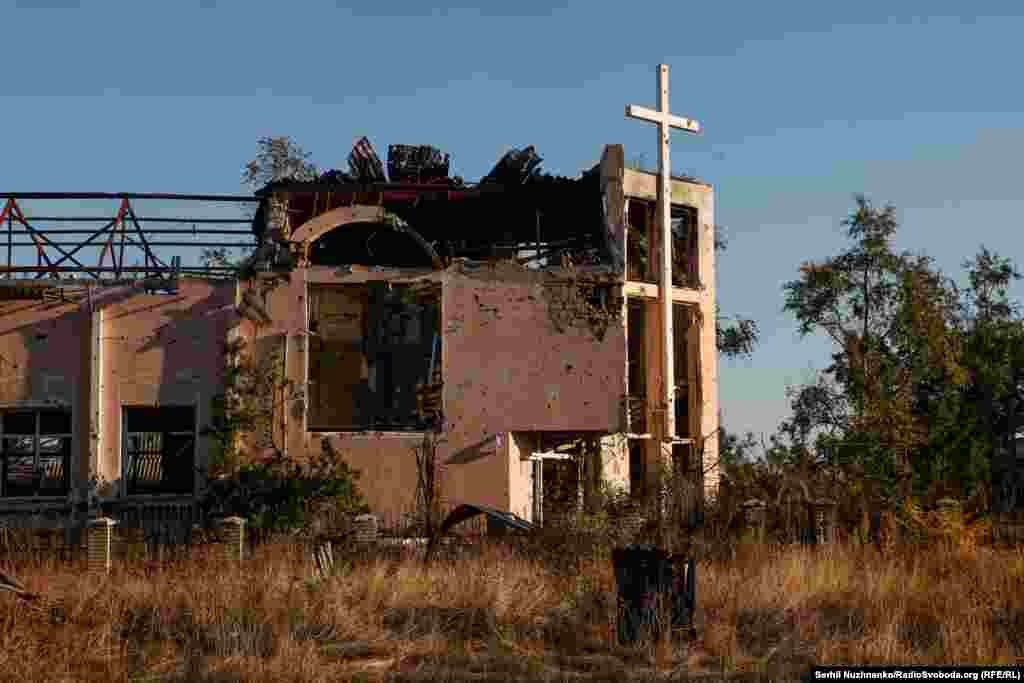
column 72, row 367
column 160, row 352
column 523, row 355
column 43, row 367
column 511, row 359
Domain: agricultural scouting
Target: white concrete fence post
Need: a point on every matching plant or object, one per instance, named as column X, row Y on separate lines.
column 101, row 544
column 755, row 513
column 234, row 537
column 825, row 520
column 366, row 528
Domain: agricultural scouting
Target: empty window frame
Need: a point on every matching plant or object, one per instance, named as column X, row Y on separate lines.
column 639, row 268
column 159, row 449
column 683, row 367
column 644, row 242
column 36, row 452
column 684, row 247
column 636, row 354
column 689, row 478
column 637, row 468
column 375, row 357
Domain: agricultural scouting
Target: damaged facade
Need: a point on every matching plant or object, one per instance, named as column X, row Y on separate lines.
column 516, row 318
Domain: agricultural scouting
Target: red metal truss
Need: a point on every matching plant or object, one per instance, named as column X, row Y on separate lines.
column 57, row 253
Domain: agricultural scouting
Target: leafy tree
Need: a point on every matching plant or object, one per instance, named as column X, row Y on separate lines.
column 968, row 418
column 922, row 373
column 278, row 158
column 220, row 257
column 734, row 450
column 857, row 298
column 734, row 336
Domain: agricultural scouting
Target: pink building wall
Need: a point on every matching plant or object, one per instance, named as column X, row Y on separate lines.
column 506, row 368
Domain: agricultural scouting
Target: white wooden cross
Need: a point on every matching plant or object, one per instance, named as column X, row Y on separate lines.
column 666, row 122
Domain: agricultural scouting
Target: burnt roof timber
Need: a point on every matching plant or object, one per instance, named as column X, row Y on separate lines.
column 369, row 188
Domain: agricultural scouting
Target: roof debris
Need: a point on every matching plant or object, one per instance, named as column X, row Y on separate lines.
column 515, row 168
column 515, row 212
column 419, row 164
column 364, row 163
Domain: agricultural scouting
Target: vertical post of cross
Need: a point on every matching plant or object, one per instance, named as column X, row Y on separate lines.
column 665, row 220
column 666, row 122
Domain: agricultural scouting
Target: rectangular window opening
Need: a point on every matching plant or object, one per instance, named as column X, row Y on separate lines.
column 637, row 469
column 681, row 331
column 639, row 255
column 35, row 450
column 644, row 241
column 636, row 354
column 375, row 357
column 159, row 449
column 688, row 471
column 684, row 247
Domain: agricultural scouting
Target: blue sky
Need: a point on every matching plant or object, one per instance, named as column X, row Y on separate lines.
column 803, row 104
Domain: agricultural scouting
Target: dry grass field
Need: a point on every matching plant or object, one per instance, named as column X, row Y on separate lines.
column 533, row 614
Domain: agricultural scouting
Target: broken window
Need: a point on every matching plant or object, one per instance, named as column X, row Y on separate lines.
column 684, row 246
column 638, row 253
column 642, row 260
column 159, row 449
column 637, row 469
column 636, row 336
column 375, row 357
column 36, row 452
column 681, row 318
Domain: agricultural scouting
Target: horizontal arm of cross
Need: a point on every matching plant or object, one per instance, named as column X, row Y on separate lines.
column 643, row 113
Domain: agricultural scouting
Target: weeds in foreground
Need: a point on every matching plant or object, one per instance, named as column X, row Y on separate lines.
column 510, row 614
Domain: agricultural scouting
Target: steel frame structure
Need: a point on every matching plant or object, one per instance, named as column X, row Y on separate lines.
column 123, row 229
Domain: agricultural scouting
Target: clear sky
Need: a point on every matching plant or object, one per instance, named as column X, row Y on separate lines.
column 803, row 104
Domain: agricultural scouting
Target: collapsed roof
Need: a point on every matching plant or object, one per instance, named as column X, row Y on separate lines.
column 515, row 211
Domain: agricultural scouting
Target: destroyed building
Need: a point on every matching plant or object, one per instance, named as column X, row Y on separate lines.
column 517, row 318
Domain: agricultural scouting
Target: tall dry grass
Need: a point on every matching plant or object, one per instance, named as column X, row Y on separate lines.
column 543, row 611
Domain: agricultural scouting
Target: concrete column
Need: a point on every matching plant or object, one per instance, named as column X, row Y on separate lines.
column 96, row 394
column 538, row 491
column 708, row 357
column 101, row 544
column 296, row 363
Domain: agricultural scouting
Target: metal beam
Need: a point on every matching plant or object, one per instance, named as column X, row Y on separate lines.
column 137, row 244
column 146, row 219
column 109, row 269
column 133, row 195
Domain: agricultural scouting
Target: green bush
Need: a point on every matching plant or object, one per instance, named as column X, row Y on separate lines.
column 280, row 495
